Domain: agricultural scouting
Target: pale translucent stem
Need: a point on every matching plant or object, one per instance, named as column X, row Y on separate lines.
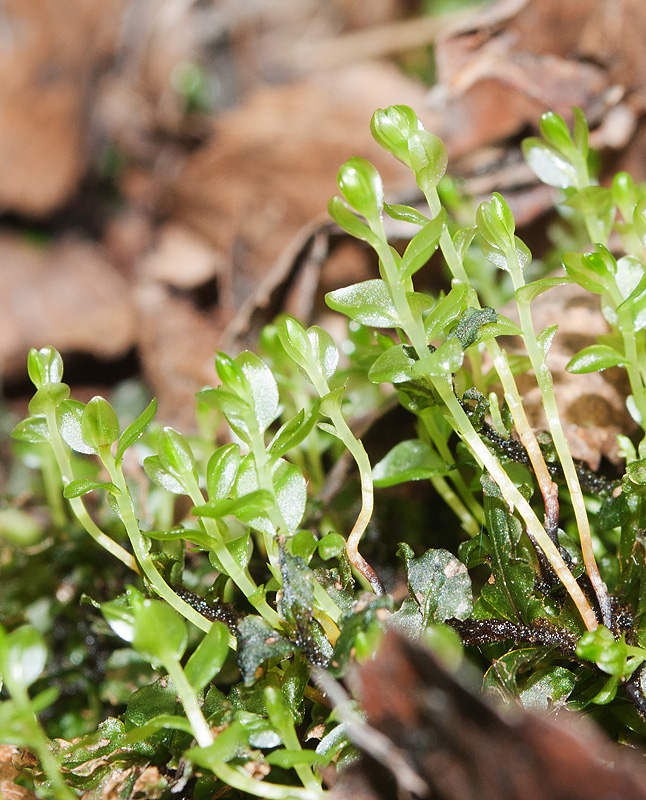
column 194, row 715
column 127, row 513
column 514, row 402
column 238, row 575
column 76, row 503
column 514, row 498
column 416, row 334
column 544, row 379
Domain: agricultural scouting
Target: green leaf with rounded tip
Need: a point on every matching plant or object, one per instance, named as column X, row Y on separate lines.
column 422, row 246
column 159, row 633
column 348, row 221
column 361, row 186
column 44, row 366
column 290, row 490
column 279, row 712
column 548, row 164
column 556, row 132
column 394, row 365
column 462, row 239
column 324, row 351
column 589, row 271
column 595, row 358
column 221, row 471
column 99, row 423
column 503, row 326
column 406, row 214
column 208, row 657
column 332, row 401
column 68, row 420
column 447, row 310
column 294, row 431
column 230, row 373
column 260, row 500
column 23, row 654
column 240, row 550
column 500, row 209
column 428, row 159
column 32, row 429
column 303, row 544
column 161, row 476
column 263, row 389
column 410, row 460
column 294, row 340
column 597, row 201
column 607, row 653
column 136, row 429
column 198, row 538
column 236, row 411
column 591, row 200
column 119, row 615
column 368, row 302
column 331, row 545
column 175, row 453
column 529, row 292
column 392, row 127
column 545, row 337
column 48, row 396
column 85, row 485
column 445, row 361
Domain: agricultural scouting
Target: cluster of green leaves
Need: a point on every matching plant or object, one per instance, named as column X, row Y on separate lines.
column 544, row 584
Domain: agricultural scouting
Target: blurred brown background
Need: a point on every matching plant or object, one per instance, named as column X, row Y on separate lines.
column 165, row 165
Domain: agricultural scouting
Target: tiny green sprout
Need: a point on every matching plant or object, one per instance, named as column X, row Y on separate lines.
column 44, row 366
column 361, row 187
column 392, row 128
column 99, row 424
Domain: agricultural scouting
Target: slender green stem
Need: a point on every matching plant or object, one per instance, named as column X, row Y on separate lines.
column 76, row 503
column 475, row 509
column 415, row 332
column 127, row 513
column 545, row 383
column 469, row 524
column 241, row 780
column 52, row 483
column 634, row 350
column 367, row 499
column 511, row 494
column 525, row 433
column 239, row 576
column 194, row 714
column 265, row 482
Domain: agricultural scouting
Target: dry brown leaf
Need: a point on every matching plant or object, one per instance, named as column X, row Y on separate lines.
column 271, row 165
column 464, row 748
column 176, row 346
column 65, row 295
column 518, row 58
column 8, row 773
column 51, row 52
